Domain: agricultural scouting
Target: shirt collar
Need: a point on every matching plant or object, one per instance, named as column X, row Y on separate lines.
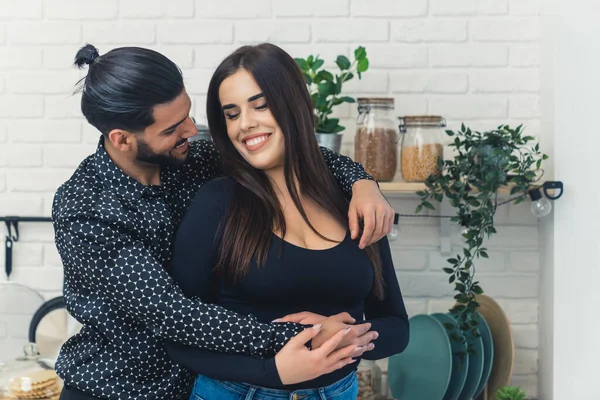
column 114, row 178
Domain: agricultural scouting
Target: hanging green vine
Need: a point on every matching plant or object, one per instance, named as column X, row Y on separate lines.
column 484, row 162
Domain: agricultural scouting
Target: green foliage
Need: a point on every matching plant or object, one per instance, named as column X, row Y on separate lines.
column 510, row 393
column 326, row 88
column 483, row 163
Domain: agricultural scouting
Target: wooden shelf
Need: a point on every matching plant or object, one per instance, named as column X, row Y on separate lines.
column 401, row 187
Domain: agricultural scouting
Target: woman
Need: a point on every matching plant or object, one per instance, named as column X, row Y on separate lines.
column 275, row 232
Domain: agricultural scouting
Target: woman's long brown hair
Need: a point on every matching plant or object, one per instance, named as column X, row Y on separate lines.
column 255, row 210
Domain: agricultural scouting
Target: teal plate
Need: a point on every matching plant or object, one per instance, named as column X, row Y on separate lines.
column 488, row 353
column 475, row 369
column 423, row 370
column 459, row 368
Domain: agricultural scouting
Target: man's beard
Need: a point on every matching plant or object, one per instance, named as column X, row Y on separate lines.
column 147, row 155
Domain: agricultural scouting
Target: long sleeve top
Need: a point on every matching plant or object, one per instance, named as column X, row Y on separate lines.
column 115, row 237
column 325, row 282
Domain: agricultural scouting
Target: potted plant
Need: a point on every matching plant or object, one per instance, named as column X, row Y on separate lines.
column 326, row 92
column 483, row 163
column 510, row 393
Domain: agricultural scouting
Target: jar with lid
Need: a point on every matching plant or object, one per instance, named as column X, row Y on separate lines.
column 422, row 146
column 29, row 377
column 368, row 374
column 375, row 142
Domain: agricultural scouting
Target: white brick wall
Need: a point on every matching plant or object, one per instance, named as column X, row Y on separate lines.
column 475, row 61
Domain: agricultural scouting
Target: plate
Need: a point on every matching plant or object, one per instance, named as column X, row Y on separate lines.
column 423, row 370
column 475, row 370
column 459, row 369
column 488, row 353
column 504, row 347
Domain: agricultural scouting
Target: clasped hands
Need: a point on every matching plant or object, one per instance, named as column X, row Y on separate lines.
column 336, row 342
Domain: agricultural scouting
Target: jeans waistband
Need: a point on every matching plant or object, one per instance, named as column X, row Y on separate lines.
column 258, row 391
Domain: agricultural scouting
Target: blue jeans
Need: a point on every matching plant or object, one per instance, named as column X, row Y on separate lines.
column 211, row 389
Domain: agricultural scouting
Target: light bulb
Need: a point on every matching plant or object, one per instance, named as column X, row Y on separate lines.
column 540, row 206
column 393, row 235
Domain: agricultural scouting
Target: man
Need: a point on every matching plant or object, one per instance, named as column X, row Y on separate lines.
column 114, row 222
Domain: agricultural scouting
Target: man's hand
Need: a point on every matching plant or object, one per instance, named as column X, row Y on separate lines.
column 358, row 335
column 369, row 205
column 295, row 363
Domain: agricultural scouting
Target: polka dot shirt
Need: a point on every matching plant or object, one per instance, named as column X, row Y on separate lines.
column 115, row 237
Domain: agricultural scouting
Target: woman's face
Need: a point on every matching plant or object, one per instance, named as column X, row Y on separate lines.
column 250, row 125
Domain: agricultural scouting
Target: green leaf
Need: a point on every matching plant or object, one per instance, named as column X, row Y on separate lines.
column 363, row 65
column 330, row 124
column 452, row 261
column 347, row 77
column 301, row 63
column 484, row 254
column 307, row 78
column 317, row 64
column 338, row 129
column 347, row 99
column 310, row 60
column 326, row 88
column 325, row 75
column 360, row 53
column 473, row 202
column 477, row 289
column 428, row 205
column 343, row 62
column 419, row 209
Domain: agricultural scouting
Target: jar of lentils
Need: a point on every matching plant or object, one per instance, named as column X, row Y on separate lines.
column 375, row 142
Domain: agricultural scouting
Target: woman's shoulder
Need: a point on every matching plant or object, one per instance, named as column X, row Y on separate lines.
column 216, row 191
column 219, row 186
column 212, row 198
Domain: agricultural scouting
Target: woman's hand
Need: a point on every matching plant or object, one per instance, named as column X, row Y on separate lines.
column 296, row 363
column 369, row 204
column 358, row 335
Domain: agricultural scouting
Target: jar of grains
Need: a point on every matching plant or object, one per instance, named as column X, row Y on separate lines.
column 422, row 146
column 369, row 380
column 375, row 143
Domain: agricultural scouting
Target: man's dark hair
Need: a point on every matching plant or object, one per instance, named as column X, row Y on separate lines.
column 124, row 85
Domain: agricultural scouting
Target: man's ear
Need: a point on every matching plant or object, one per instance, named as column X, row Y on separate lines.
column 121, row 139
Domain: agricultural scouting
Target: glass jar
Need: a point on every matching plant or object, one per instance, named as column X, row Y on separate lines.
column 29, row 377
column 369, row 380
column 422, row 146
column 375, row 142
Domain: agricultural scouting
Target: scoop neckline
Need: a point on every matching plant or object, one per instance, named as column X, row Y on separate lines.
column 313, row 250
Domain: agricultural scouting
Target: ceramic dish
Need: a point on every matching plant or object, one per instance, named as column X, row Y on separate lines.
column 459, row 368
column 504, row 347
column 488, row 353
column 423, row 370
column 475, row 370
